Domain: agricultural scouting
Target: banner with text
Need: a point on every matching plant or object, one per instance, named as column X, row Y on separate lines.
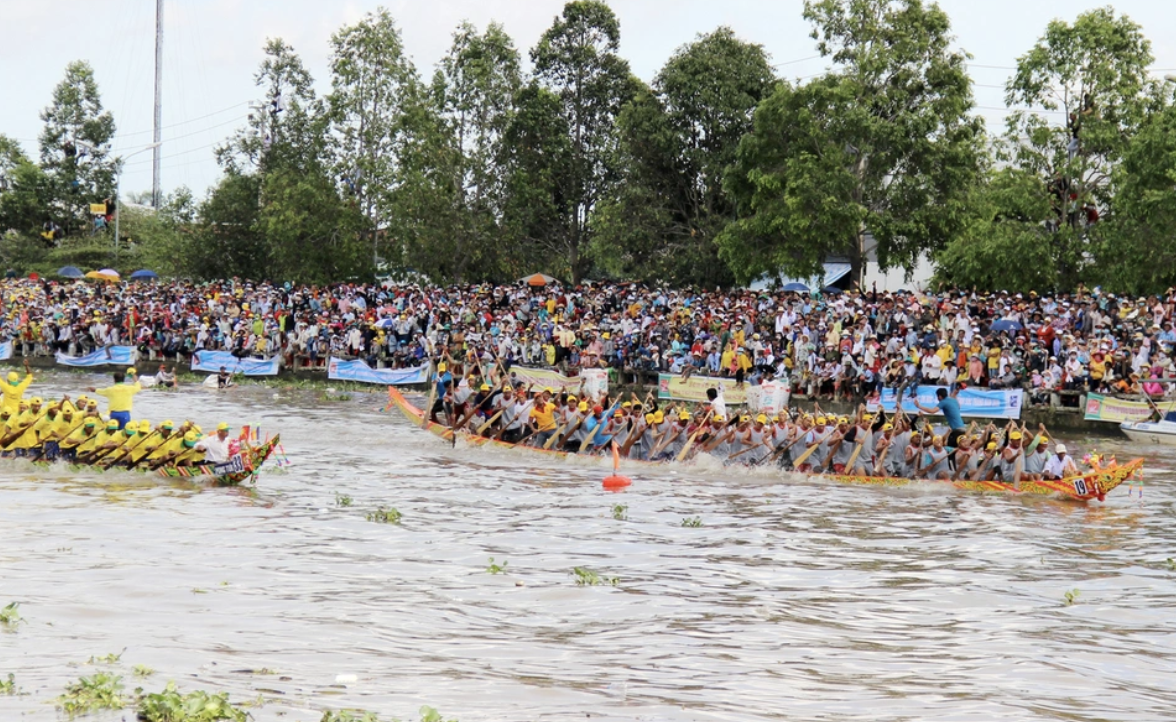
column 5, row 350
column 1106, row 408
column 986, row 403
column 357, row 370
column 112, row 356
column 694, row 389
column 212, row 361
column 595, row 380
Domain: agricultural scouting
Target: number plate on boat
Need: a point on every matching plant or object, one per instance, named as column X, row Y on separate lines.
column 235, row 465
column 1080, row 487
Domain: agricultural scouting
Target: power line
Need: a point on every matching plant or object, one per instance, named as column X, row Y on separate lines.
column 185, row 122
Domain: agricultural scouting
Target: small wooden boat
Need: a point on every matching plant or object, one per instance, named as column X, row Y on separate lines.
column 1150, row 432
column 240, row 467
column 1095, row 484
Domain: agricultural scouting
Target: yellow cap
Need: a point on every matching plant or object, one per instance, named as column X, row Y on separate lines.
column 821, row 421
column 112, row 424
column 571, row 398
column 887, row 427
column 36, row 401
column 131, row 371
column 485, row 387
column 549, row 390
column 13, row 376
column 169, row 424
column 508, row 387
column 190, row 436
column 222, row 426
column 720, row 417
column 843, row 420
column 936, row 439
column 991, row 446
column 626, row 404
column 441, row 367
column 659, row 416
column 583, row 406
column 761, row 419
column 1015, row 436
column 618, row 414
column 649, row 418
column 144, row 426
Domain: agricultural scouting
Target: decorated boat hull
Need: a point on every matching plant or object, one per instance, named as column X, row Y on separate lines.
column 1093, row 485
column 241, row 467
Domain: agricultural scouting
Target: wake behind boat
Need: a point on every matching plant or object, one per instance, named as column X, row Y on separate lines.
column 1095, row 484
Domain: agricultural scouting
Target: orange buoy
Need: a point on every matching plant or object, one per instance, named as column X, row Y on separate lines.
column 616, row 481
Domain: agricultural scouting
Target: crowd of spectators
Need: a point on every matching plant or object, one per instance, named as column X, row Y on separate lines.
column 845, row 345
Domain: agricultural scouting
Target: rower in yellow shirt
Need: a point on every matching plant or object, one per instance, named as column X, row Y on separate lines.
column 27, row 419
column 120, row 398
column 14, row 388
column 78, row 438
column 105, row 439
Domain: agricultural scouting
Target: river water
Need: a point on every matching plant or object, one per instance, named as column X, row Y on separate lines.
column 794, row 600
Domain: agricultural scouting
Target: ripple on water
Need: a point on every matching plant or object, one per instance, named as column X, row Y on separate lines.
column 795, row 599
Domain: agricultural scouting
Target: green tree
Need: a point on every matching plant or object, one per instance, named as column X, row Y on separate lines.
column 1005, row 242
column 1078, row 97
column 577, row 59
column 1134, row 248
column 75, row 148
column 373, row 86
column 676, row 142
column 24, row 191
column 884, row 144
column 228, row 240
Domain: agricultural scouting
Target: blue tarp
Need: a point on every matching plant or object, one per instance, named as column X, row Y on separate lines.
column 112, row 356
column 213, row 361
column 357, row 370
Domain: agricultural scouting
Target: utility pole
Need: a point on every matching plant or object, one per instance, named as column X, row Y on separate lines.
column 155, row 136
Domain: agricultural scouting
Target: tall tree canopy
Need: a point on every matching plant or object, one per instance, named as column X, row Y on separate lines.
column 885, row 144
column 675, row 143
column 75, row 148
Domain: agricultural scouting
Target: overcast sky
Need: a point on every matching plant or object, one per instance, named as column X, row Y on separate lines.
column 213, row 47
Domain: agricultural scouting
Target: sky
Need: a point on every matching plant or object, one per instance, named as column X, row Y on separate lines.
column 213, row 47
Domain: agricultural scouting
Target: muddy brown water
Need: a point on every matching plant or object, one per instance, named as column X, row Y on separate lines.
column 794, row 600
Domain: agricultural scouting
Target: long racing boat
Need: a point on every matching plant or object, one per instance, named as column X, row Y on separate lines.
column 1095, row 484
column 244, row 465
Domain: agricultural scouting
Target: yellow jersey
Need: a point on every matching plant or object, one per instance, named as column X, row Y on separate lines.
column 120, row 396
column 13, row 393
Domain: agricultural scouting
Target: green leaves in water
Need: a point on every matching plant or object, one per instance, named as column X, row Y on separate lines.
column 428, row 714
column 620, row 512
column 585, row 577
column 90, row 694
column 199, row 706
column 342, row 499
column 383, row 516
column 692, row 521
column 1071, row 597
column 8, row 686
column 497, row 568
column 10, row 617
column 111, row 658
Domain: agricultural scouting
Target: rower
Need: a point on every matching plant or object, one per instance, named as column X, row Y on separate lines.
column 1036, row 459
column 120, row 398
column 215, row 448
column 982, row 467
column 29, row 421
column 950, row 408
column 543, row 418
column 1060, row 465
column 1011, row 461
column 78, row 436
column 14, row 389
column 935, row 461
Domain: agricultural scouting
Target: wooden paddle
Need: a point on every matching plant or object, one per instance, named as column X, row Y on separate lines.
column 591, row 434
column 14, row 435
column 854, row 456
column 690, row 442
column 428, row 410
column 111, row 460
column 812, row 449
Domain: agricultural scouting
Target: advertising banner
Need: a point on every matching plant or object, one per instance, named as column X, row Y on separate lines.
column 1106, row 408
column 694, row 389
column 986, row 403
column 111, row 356
column 212, row 361
column 357, row 370
column 5, row 350
column 768, row 398
column 543, row 378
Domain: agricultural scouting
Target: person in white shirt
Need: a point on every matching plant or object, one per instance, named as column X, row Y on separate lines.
column 216, row 448
column 1060, row 465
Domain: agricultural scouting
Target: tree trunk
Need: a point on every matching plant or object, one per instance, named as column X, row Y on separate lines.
column 857, row 260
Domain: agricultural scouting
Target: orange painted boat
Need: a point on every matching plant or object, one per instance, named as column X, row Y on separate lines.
column 1095, row 484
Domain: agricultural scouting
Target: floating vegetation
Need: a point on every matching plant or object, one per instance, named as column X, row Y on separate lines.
column 497, row 568
column 585, row 577
column 384, row 516
column 199, row 706
column 350, row 716
column 90, row 694
column 428, row 714
column 111, row 658
column 342, row 499
column 620, row 512
column 8, row 686
column 1072, row 597
column 142, row 670
column 10, row 616
column 1171, row 564
column 692, row 521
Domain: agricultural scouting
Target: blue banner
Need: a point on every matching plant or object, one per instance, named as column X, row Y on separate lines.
column 212, row 361
column 357, row 370
column 987, row 403
column 110, row 356
column 5, row 350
